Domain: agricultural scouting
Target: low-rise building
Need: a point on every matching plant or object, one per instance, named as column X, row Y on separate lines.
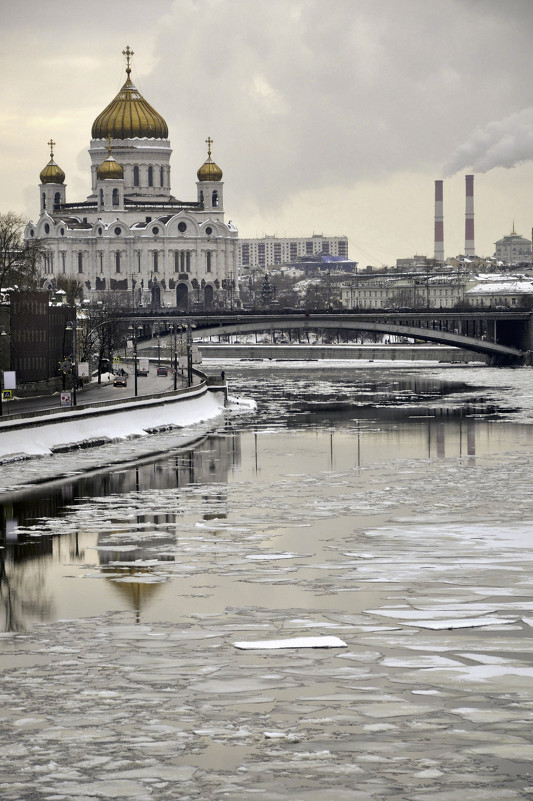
column 420, row 290
column 513, row 249
column 508, row 291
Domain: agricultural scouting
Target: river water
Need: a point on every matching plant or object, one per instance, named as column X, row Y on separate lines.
column 145, row 607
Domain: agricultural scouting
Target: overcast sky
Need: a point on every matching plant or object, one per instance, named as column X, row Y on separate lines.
column 328, row 116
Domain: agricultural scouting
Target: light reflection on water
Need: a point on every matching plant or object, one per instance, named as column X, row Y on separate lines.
column 150, row 530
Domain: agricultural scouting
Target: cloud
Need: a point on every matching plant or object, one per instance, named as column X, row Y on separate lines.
column 503, row 143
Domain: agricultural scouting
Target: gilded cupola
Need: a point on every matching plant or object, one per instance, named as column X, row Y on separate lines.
column 109, row 169
column 52, row 174
column 129, row 116
column 209, row 171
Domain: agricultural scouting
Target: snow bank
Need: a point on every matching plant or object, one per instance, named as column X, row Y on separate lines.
column 41, row 436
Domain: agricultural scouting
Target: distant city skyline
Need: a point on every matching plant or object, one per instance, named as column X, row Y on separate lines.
column 331, row 119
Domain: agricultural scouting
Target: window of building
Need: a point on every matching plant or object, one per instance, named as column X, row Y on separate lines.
column 80, row 262
column 156, row 261
column 161, row 177
column 214, row 198
column 117, row 261
column 150, row 176
column 208, row 261
column 136, row 181
column 115, row 197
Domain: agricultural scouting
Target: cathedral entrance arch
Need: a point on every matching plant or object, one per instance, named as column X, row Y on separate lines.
column 182, row 296
column 208, row 296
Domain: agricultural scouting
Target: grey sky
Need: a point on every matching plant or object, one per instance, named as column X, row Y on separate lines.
column 327, row 117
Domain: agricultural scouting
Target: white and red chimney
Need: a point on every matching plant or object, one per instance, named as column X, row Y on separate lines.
column 470, row 249
column 439, row 222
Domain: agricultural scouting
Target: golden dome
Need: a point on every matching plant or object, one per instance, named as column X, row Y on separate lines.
column 109, row 169
column 129, row 115
column 52, row 174
column 209, row 171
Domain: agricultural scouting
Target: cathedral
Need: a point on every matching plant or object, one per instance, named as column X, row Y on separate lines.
column 131, row 239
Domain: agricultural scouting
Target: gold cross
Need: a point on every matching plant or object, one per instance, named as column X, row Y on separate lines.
column 209, row 142
column 51, row 144
column 128, row 53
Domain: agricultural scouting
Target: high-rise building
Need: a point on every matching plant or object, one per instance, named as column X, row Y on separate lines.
column 131, row 235
column 270, row 251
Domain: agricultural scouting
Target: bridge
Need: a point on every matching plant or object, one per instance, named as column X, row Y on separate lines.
column 503, row 336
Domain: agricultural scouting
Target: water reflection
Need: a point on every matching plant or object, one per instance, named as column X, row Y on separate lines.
column 30, row 554
column 143, row 528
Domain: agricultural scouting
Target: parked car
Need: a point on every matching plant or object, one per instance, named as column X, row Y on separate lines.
column 162, row 371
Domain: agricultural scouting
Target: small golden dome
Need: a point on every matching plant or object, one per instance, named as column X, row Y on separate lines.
column 209, row 171
column 129, row 116
column 109, row 169
column 52, row 174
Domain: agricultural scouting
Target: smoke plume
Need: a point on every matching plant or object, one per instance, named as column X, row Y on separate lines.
column 503, row 143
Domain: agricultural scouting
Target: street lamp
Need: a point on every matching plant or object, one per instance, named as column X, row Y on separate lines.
column 190, row 326
column 71, row 326
column 174, row 359
column 3, row 333
column 132, row 331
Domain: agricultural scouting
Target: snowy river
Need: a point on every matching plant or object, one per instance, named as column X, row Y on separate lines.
column 328, row 596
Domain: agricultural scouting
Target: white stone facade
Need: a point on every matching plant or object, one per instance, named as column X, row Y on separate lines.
column 131, row 236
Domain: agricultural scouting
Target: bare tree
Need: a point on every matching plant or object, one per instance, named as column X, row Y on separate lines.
column 102, row 331
column 72, row 288
column 19, row 259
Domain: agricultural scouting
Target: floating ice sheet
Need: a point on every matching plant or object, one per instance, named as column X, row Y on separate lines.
column 293, row 642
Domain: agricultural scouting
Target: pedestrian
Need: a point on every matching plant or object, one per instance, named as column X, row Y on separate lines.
column 222, row 375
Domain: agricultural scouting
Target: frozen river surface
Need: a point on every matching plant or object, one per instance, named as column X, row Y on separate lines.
column 159, row 619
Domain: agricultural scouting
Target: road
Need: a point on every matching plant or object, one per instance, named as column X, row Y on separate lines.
column 93, row 393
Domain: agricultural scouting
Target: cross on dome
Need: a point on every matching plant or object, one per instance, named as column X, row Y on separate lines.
column 209, row 142
column 128, row 52
column 51, row 144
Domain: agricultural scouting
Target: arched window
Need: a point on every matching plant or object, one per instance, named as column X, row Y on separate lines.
column 214, row 199
column 136, row 181
column 117, row 261
column 156, row 261
column 80, row 262
column 161, row 177
column 101, row 197
column 115, row 197
column 208, row 261
column 57, row 199
column 201, row 197
column 150, row 176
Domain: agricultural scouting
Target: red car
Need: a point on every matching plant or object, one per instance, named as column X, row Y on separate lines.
column 162, row 371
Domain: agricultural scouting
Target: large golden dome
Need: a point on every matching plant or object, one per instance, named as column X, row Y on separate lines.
column 209, row 171
column 52, row 174
column 129, row 115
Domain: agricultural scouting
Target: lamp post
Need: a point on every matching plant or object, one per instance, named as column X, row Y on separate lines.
column 131, row 329
column 190, row 326
column 71, row 326
column 2, row 334
column 174, row 358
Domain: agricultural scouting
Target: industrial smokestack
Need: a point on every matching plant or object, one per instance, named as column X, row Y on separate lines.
column 439, row 222
column 470, row 249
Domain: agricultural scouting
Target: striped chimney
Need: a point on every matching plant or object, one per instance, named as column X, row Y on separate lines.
column 439, row 222
column 470, row 249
